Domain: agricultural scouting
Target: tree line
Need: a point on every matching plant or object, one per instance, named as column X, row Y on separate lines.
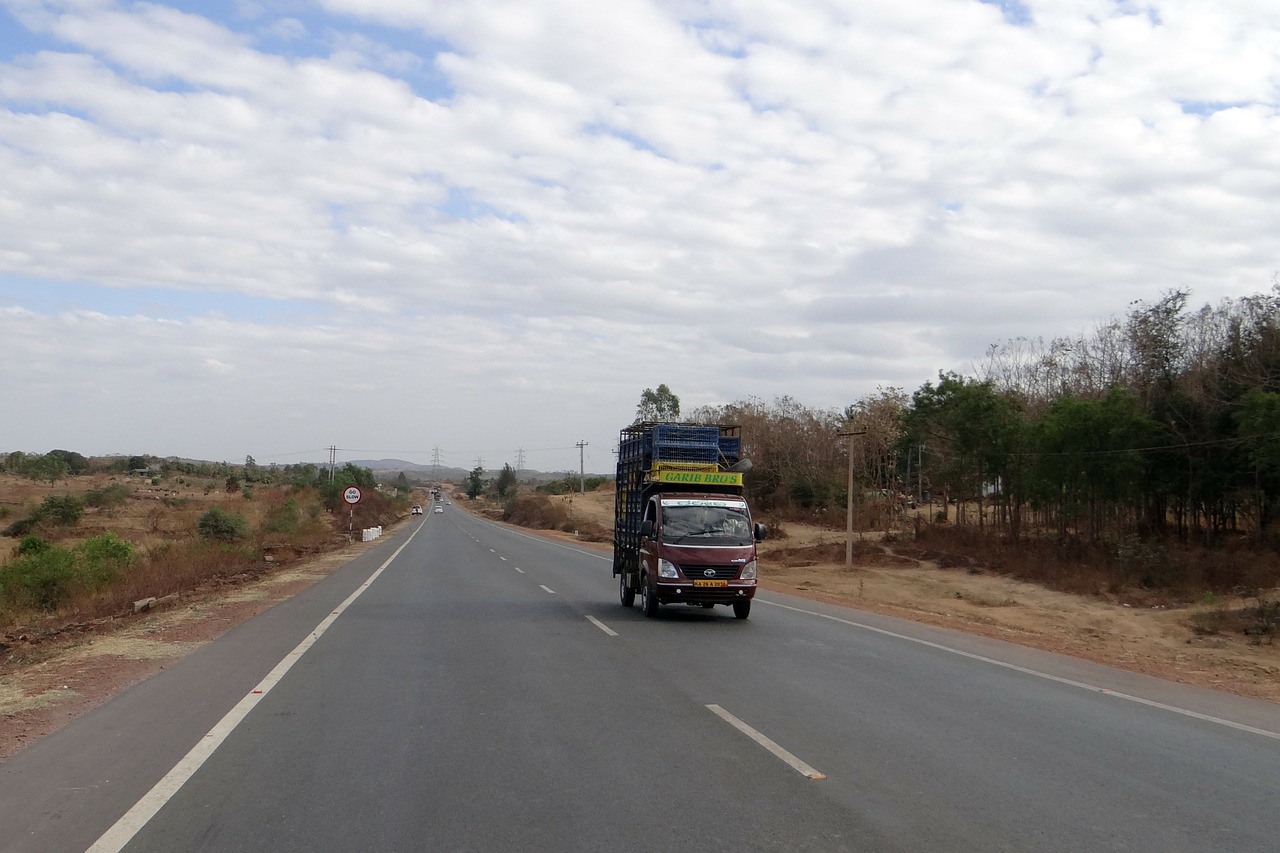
column 1163, row 422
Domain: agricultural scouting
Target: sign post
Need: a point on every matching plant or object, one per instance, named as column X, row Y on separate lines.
column 352, row 496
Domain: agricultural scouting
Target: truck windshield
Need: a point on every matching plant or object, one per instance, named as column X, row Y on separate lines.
column 705, row 524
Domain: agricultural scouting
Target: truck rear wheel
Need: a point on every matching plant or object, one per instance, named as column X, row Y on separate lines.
column 625, row 593
column 648, row 597
column 742, row 609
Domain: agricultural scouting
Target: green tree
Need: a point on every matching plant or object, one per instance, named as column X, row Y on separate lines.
column 402, row 484
column 658, row 405
column 973, row 434
column 506, row 482
column 45, row 467
column 1088, row 459
column 76, row 463
column 474, row 483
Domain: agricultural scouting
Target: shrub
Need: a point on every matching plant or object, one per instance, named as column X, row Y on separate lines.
column 222, row 526
column 40, row 581
column 32, row 545
column 107, row 497
column 103, row 558
column 282, row 518
column 21, row 527
column 65, row 510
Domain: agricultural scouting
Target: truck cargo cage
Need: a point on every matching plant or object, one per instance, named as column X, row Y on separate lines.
column 646, row 448
column 643, row 445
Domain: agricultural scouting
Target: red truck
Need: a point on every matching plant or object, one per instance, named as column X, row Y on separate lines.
column 683, row 532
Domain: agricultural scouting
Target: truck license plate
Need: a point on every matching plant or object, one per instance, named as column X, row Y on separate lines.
column 710, row 583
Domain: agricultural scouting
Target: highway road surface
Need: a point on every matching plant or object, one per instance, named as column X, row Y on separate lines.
column 467, row 687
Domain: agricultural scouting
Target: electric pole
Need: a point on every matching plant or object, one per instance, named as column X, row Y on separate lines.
column 582, row 468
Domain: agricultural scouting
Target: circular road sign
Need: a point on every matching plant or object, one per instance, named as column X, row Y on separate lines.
column 351, row 495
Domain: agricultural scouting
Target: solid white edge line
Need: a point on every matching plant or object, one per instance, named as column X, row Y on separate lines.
column 124, row 829
column 603, row 627
column 1092, row 688
column 794, row 763
column 547, row 589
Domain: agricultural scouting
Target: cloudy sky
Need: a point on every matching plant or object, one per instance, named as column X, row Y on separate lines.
column 483, row 226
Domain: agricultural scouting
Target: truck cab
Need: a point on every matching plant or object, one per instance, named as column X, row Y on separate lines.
column 698, row 549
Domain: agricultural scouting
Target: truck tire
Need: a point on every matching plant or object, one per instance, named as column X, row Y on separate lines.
column 625, row 593
column 648, row 598
column 742, row 609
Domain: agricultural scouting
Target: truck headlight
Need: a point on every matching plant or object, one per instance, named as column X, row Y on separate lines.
column 749, row 571
column 667, row 569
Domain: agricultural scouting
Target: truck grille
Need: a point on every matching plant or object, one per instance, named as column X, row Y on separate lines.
column 723, row 573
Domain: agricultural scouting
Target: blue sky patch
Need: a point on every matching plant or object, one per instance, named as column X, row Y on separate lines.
column 1015, row 11
column 1208, row 108
column 17, row 41
column 632, row 139
column 54, row 297
column 462, row 203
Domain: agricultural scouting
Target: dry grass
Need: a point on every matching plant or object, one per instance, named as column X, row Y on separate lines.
column 169, row 554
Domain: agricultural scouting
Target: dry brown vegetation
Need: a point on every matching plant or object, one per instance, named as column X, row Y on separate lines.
column 160, row 524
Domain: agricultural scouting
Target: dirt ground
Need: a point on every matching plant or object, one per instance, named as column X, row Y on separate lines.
column 46, row 684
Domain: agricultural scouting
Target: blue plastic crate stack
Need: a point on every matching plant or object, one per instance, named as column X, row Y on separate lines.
column 641, row 446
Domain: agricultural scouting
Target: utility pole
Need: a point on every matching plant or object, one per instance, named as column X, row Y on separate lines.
column 582, row 468
column 519, row 462
column 333, row 460
column 848, row 531
column 435, row 464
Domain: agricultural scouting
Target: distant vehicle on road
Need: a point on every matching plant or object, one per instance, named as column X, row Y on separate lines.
column 439, row 509
column 417, row 510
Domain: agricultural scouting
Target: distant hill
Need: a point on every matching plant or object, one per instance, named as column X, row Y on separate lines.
column 416, row 471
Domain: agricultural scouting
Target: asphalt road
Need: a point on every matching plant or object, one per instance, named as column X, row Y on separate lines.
column 467, row 687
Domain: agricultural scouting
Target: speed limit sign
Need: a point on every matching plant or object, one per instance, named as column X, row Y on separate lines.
column 351, row 495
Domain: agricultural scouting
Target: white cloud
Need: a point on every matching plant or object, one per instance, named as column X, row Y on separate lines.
column 809, row 199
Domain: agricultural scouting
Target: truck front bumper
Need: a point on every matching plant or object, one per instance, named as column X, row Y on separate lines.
column 678, row 592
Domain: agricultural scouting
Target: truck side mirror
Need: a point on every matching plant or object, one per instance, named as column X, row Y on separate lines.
column 646, row 529
column 760, row 532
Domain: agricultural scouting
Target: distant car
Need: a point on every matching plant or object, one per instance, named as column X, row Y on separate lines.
column 417, row 510
column 439, row 509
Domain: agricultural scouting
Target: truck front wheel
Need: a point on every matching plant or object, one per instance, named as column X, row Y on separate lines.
column 648, row 597
column 625, row 593
column 742, row 609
